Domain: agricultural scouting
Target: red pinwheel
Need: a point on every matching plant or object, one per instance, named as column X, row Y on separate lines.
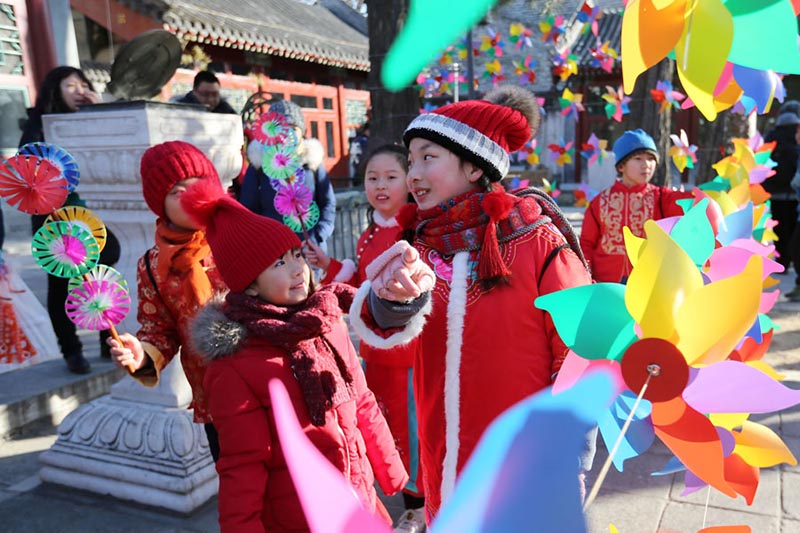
column 32, row 185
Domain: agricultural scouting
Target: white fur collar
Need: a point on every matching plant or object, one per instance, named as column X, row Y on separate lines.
column 383, row 222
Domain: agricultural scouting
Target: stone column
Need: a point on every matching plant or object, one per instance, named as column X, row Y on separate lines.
column 137, row 443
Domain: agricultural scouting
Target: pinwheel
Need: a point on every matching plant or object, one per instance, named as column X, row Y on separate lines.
column 494, row 72
column 589, row 15
column 561, row 153
column 295, row 202
column 98, row 304
column 83, row 218
column 492, row 44
column 565, row 65
column 32, row 185
column 519, row 35
column 531, row 152
column 603, row 56
column 683, row 154
column 552, row 28
column 594, row 150
column 525, row 69
column 64, row 250
column 98, row 274
column 616, row 103
column 280, row 162
column 710, row 39
column 58, row 157
column 270, row 129
column 665, row 95
column 571, row 104
column 302, row 222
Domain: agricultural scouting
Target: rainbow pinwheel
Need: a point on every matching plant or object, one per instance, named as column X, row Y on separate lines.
column 552, row 28
column 683, row 154
column 665, row 95
column 519, row 35
column 270, row 129
column 64, row 250
column 616, row 103
column 594, row 150
column 603, row 56
column 589, row 15
column 494, row 72
column 281, row 162
column 561, row 153
column 295, row 203
column 710, row 40
column 525, row 69
column 97, row 304
column 32, row 185
column 58, row 157
column 492, row 44
column 99, row 273
column 571, row 104
column 565, row 65
column 531, row 152
column 83, row 218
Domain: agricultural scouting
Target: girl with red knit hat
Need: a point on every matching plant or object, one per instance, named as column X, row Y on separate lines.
column 274, row 324
column 487, row 255
column 176, row 277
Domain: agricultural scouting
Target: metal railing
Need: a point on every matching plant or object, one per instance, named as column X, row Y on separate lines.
column 351, row 221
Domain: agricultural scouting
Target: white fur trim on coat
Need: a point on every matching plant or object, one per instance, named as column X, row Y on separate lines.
column 347, row 271
column 456, row 309
column 412, row 329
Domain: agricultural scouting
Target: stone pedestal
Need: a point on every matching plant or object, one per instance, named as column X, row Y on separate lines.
column 137, row 443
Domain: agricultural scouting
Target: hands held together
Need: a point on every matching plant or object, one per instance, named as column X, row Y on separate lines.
column 399, row 275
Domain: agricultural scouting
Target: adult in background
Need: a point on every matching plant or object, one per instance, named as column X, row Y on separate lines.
column 206, row 91
column 64, row 90
column 783, row 199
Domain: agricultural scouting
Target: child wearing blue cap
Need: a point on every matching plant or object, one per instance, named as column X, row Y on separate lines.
column 629, row 202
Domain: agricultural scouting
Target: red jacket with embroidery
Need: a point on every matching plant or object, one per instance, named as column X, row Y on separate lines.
column 618, row 206
column 165, row 315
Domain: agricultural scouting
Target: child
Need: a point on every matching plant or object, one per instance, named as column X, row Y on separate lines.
column 629, row 202
column 487, row 255
column 175, row 277
column 388, row 372
column 275, row 325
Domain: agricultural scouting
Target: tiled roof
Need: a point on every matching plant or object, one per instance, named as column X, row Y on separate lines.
column 286, row 28
column 609, row 28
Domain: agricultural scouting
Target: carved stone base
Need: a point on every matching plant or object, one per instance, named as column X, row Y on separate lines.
column 133, row 451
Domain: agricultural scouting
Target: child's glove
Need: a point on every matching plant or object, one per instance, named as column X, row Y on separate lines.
column 398, row 274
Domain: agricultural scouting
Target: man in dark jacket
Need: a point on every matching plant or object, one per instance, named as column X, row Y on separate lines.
column 206, row 92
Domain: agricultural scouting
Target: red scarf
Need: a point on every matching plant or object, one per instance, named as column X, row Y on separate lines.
column 318, row 367
column 181, row 253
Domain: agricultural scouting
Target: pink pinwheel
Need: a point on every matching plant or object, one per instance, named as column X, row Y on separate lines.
column 525, row 69
column 293, row 198
column 589, row 15
column 603, row 56
column 32, row 185
column 571, row 104
column 519, row 35
column 492, row 44
column 665, row 95
column 617, row 103
column 552, row 28
column 64, row 250
column 270, row 129
column 683, row 154
column 565, row 65
column 594, row 150
column 98, row 304
column 494, row 72
column 561, row 153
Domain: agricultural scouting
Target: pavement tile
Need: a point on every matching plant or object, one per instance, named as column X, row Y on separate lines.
column 791, row 496
column 628, row 512
column 689, row 519
column 766, row 502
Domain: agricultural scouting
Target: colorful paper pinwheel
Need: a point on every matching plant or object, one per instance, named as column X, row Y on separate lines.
column 519, row 35
column 594, row 150
column 565, row 65
column 561, row 153
column 270, row 129
column 683, row 154
column 492, row 44
column 531, row 152
column 616, row 103
column 32, row 185
column 494, row 72
column 83, row 218
column 58, row 157
column 603, row 56
column 665, row 95
column 589, row 15
column 552, row 28
column 571, row 104
column 97, row 304
column 281, row 162
column 65, row 250
column 295, row 202
column 526, row 70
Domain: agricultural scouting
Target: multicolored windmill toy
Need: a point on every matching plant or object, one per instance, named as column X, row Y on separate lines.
column 99, row 301
column 56, row 156
column 32, row 185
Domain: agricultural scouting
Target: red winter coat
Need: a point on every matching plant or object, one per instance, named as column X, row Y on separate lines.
column 614, row 208
column 480, row 352
column 256, row 492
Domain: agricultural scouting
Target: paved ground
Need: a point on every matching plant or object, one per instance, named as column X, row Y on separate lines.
column 633, row 501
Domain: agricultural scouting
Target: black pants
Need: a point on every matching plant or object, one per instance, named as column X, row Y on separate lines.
column 213, row 441
column 785, row 212
column 57, row 289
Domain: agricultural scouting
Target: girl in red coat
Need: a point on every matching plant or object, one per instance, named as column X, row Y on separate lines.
column 629, row 202
column 389, row 372
column 274, row 324
column 487, row 255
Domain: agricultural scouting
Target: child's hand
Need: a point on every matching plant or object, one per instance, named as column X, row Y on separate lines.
column 129, row 354
column 315, row 256
column 399, row 274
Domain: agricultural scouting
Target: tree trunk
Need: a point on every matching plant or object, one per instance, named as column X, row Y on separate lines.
column 391, row 112
column 658, row 125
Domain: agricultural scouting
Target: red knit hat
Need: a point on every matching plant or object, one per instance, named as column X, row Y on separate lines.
column 481, row 131
column 243, row 243
column 165, row 164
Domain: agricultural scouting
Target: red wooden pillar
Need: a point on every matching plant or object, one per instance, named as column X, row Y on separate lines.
column 39, row 38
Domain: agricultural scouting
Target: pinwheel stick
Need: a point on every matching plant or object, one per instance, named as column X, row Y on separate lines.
column 302, row 225
column 653, row 370
column 111, row 328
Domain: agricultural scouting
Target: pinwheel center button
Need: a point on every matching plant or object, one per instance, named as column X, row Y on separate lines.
column 659, row 360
